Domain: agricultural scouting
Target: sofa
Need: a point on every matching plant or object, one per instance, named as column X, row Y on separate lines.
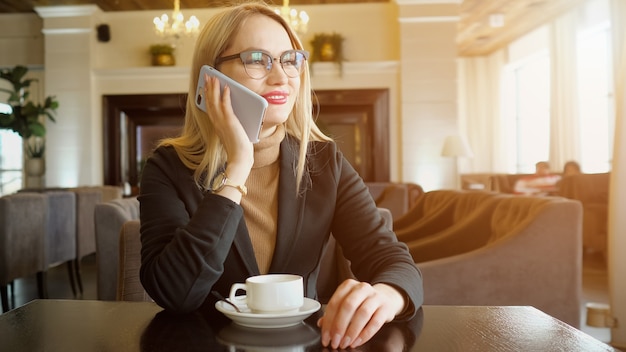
column 397, row 197
column 527, row 252
column 436, row 210
column 498, row 182
column 592, row 190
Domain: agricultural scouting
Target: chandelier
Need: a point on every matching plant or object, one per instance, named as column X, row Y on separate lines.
column 174, row 27
column 298, row 20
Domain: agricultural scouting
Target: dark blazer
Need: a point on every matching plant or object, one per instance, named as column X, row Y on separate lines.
column 194, row 242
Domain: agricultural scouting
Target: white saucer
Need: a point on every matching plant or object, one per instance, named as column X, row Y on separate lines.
column 268, row 321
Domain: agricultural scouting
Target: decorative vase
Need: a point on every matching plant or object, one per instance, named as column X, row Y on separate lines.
column 328, row 52
column 163, row 60
column 34, row 168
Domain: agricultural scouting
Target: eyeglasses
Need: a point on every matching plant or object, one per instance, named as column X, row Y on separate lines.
column 259, row 63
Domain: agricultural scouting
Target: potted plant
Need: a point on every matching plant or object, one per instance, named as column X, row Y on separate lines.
column 24, row 117
column 328, row 47
column 162, row 55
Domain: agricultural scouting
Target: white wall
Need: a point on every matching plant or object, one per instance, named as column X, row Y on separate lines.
column 370, row 30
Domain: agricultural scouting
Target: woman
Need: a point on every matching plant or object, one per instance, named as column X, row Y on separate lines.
column 281, row 199
column 571, row 168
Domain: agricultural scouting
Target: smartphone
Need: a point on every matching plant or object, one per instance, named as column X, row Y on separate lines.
column 247, row 105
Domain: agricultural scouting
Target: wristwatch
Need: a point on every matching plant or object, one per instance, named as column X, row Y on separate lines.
column 221, row 180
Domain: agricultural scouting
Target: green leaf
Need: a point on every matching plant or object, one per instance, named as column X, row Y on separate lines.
column 25, row 117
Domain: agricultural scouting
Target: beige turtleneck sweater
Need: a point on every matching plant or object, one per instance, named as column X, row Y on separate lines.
column 260, row 205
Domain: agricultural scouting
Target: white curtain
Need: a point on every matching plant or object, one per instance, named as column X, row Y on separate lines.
column 617, row 195
column 479, row 112
column 564, row 117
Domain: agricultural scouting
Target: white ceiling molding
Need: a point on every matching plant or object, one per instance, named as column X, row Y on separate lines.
column 431, row 19
column 66, row 11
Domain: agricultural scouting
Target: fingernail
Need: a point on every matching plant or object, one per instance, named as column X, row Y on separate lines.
column 336, row 341
column 325, row 339
column 357, row 342
column 345, row 343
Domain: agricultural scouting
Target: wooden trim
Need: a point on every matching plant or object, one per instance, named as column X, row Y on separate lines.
column 364, row 112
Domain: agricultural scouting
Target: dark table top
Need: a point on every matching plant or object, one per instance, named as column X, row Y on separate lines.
column 81, row 325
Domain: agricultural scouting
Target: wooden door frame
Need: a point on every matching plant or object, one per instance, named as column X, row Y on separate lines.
column 370, row 105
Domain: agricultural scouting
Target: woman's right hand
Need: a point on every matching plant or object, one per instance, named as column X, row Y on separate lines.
column 239, row 149
column 228, row 128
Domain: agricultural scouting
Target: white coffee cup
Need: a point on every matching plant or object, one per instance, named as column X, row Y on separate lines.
column 271, row 293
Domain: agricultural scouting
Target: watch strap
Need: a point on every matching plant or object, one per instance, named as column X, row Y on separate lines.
column 224, row 181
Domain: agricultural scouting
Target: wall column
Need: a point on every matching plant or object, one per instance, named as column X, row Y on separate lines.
column 73, row 150
column 428, row 60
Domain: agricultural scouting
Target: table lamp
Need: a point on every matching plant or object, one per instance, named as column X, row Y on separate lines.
column 456, row 147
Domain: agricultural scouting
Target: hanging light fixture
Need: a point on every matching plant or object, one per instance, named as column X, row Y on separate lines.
column 174, row 27
column 298, row 20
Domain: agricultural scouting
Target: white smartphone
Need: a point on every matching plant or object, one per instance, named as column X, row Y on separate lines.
column 247, row 105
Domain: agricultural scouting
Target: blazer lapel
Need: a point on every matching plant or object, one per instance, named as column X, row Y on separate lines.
column 244, row 247
column 290, row 208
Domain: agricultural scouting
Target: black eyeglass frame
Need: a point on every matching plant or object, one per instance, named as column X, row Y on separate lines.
column 242, row 54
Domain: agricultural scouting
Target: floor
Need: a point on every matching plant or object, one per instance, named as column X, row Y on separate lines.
column 595, row 287
column 595, row 290
column 59, row 286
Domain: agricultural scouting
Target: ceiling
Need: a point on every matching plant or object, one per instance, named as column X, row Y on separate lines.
column 475, row 35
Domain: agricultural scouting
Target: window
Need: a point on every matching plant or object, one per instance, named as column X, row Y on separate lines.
column 596, row 98
column 526, row 104
column 528, row 109
column 10, row 158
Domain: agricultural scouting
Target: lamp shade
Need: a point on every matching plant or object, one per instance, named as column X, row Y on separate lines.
column 457, row 147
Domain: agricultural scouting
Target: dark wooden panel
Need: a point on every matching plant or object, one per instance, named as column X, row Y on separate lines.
column 123, row 115
column 357, row 119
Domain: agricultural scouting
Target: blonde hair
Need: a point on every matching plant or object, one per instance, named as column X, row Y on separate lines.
column 198, row 146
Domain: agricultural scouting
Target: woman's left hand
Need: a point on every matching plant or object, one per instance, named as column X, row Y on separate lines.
column 356, row 311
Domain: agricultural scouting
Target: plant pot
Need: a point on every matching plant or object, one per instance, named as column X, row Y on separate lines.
column 328, row 52
column 163, row 60
column 35, row 167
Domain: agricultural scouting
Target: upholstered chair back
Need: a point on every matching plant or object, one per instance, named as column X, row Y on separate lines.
column 533, row 259
column 442, row 210
column 23, row 219
column 109, row 219
column 129, row 287
column 61, row 227
column 428, row 204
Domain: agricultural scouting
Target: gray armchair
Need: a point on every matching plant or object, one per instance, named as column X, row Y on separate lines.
column 60, row 242
column 109, row 218
column 530, row 253
column 22, row 238
column 86, row 200
column 129, row 287
column 437, row 210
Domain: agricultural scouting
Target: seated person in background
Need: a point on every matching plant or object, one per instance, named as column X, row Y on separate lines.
column 216, row 209
column 571, row 168
column 543, row 182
